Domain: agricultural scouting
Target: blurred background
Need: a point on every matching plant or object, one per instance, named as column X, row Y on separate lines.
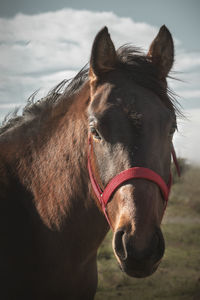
column 44, row 42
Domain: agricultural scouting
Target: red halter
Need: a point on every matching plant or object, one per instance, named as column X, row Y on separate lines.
column 132, row 173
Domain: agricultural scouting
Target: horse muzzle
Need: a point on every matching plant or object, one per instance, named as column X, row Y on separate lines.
column 137, row 262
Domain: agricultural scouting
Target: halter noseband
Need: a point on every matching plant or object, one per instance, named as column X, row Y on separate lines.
column 131, row 173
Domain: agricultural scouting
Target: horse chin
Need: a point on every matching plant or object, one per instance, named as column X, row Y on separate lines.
column 138, row 272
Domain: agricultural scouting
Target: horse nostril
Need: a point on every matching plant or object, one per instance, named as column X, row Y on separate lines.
column 160, row 243
column 153, row 250
column 157, row 246
column 119, row 244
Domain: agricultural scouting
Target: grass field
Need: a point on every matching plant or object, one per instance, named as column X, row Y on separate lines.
column 178, row 276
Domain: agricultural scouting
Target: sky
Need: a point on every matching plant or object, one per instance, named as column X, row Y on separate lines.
column 44, row 42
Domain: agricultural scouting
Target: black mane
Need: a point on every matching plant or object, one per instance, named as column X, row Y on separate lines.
column 146, row 74
column 131, row 58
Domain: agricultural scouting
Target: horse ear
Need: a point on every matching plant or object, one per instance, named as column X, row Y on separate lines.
column 103, row 56
column 161, row 51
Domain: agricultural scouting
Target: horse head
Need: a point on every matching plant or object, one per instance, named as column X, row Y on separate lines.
column 131, row 122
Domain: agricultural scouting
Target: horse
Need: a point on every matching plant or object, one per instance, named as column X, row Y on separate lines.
column 78, row 162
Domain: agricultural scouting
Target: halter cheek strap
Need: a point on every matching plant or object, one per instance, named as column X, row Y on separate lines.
column 131, row 173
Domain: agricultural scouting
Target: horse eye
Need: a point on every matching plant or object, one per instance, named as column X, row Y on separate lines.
column 95, row 133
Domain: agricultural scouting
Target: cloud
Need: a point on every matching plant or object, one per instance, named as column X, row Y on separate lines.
column 187, row 139
column 191, row 94
column 187, row 60
column 35, row 49
column 38, row 51
column 61, row 40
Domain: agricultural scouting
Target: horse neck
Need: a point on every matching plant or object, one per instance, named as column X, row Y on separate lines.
column 52, row 163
